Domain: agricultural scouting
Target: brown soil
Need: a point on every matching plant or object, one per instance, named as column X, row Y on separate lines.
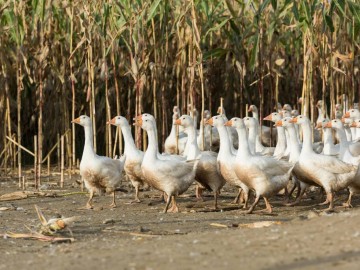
column 139, row 236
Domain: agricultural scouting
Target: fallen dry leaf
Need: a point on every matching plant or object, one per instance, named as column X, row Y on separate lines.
column 260, row 224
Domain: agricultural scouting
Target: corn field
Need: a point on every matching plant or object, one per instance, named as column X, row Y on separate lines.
column 61, row 59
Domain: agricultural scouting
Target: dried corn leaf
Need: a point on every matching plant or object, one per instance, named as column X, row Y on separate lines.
column 260, row 224
column 17, row 195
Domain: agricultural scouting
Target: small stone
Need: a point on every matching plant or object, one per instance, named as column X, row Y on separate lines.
column 109, row 221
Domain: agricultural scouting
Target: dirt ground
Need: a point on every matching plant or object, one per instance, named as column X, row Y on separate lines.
column 139, row 236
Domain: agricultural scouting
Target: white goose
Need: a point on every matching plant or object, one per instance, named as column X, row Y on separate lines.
column 346, row 156
column 226, row 157
column 266, row 175
column 98, row 172
column 266, row 136
column 133, row 155
column 171, row 146
column 206, row 172
column 211, row 135
column 254, row 139
column 295, row 150
column 330, row 149
column 326, row 171
column 171, row 176
column 280, row 149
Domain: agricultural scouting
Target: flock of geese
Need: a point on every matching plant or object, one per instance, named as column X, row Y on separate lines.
column 235, row 152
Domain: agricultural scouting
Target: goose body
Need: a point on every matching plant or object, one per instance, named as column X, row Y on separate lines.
column 346, row 156
column 172, row 176
column 281, row 145
column 328, row 172
column 175, row 145
column 99, row 173
column 266, row 135
column 133, row 155
column 206, row 171
column 254, row 139
column 226, row 157
column 265, row 175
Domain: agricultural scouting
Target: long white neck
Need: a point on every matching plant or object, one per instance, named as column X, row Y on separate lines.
column 130, row 146
column 295, row 148
column 353, row 133
column 357, row 133
column 88, row 147
column 255, row 114
column 307, row 137
column 243, row 144
column 191, row 144
column 252, row 140
column 281, row 143
column 152, row 149
column 344, row 144
column 328, row 138
column 225, row 147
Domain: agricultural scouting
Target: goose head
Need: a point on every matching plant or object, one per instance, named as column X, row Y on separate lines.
column 235, row 122
column 216, row 121
column 295, row 113
column 353, row 113
column 207, row 115
column 319, row 104
column 275, row 116
column 185, row 121
column 253, row 109
column 356, row 123
column 145, row 121
column 287, row 107
column 220, row 110
column 118, row 121
column 335, row 124
column 285, row 122
column 83, row 120
column 176, row 110
column 322, row 124
column 300, row 120
column 250, row 122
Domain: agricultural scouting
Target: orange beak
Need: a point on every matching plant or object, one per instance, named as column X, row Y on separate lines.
column 328, row 125
column 278, row 123
column 76, row 121
column 111, row 122
column 178, row 122
column 138, row 121
column 353, row 124
column 293, row 120
column 343, row 120
column 347, row 115
column 209, row 122
column 269, row 117
column 228, row 123
column 250, row 109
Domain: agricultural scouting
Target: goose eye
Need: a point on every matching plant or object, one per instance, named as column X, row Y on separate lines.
column 145, row 120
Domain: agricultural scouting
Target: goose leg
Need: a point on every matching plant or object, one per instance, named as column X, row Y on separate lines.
column 198, row 193
column 113, row 203
column 330, row 198
column 237, row 198
column 168, row 200
column 299, row 195
column 348, row 202
column 268, row 206
column 216, row 194
column 88, row 204
column 174, row 208
column 246, row 198
column 253, row 205
column 136, row 200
